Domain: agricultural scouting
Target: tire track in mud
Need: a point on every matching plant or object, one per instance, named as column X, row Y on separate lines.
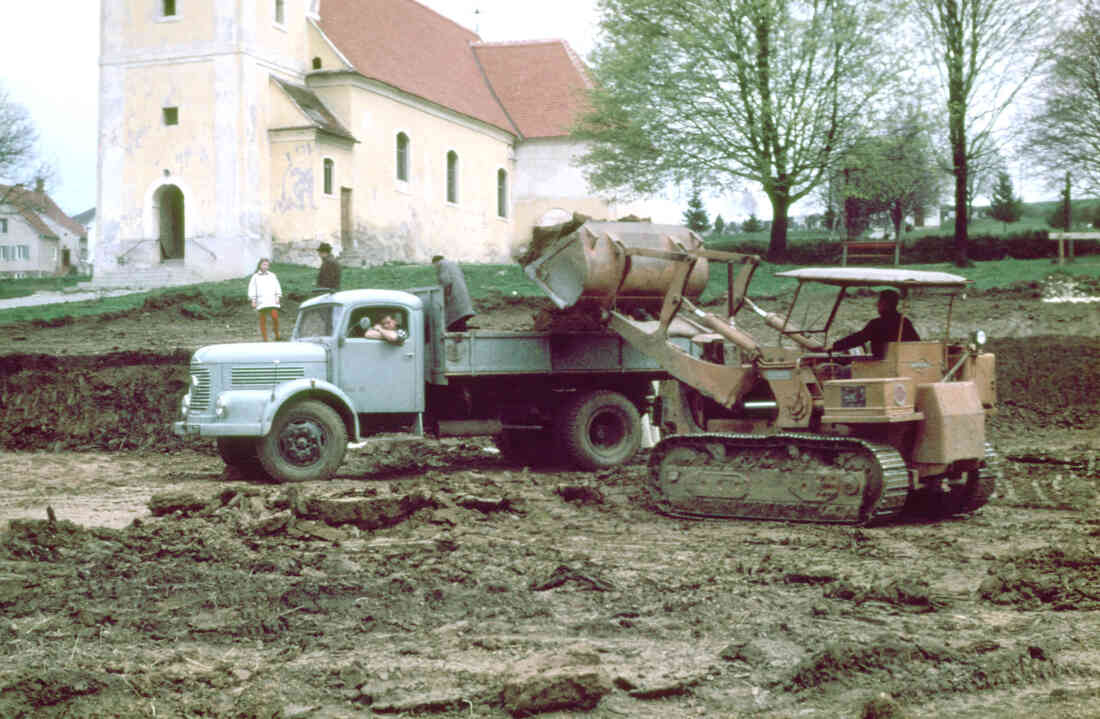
column 1036, row 480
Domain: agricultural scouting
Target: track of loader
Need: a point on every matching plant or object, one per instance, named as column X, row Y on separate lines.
column 785, row 477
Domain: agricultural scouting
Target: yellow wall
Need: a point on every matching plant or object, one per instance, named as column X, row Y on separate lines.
column 413, row 220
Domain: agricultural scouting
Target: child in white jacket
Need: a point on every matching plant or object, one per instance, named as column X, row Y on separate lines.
column 265, row 293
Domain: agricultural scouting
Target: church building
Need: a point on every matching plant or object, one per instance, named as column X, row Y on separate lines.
column 231, row 130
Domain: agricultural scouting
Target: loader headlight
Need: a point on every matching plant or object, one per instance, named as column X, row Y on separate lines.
column 977, row 339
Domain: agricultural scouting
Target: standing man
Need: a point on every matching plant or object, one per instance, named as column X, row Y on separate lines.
column 328, row 277
column 457, row 307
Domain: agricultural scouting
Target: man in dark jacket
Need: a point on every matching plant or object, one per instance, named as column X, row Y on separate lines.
column 328, row 277
column 889, row 326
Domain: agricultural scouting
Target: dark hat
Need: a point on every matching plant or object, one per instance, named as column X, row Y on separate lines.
column 325, row 247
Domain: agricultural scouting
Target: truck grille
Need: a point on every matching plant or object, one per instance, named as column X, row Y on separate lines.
column 264, row 376
column 200, row 388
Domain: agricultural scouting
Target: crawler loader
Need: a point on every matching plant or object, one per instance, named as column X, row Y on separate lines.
column 788, row 430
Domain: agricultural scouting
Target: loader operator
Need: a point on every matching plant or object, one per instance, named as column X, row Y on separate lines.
column 889, row 326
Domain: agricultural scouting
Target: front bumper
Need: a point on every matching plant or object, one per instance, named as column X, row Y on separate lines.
column 190, row 428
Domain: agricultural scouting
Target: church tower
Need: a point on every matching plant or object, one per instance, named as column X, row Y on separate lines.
column 184, row 155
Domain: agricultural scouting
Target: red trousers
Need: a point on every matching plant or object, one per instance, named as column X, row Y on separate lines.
column 273, row 313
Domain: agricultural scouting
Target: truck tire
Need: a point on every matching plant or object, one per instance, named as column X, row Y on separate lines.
column 599, row 429
column 307, row 442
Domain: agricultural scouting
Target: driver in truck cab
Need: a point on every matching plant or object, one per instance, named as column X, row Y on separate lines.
column 388, row 329
column 889, row 326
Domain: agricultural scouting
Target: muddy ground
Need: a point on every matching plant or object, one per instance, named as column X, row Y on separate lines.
column 139, row 578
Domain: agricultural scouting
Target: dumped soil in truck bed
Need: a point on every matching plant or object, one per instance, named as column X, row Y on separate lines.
column 139, row 577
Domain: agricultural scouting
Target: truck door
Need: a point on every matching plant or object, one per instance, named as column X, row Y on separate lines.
column 380, row 375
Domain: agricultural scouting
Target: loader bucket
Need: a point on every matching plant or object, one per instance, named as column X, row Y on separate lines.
column 592, row 263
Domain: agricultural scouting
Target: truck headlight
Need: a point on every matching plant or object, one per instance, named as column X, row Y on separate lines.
column 221, row 407
column 185, row 404
column 977, row 339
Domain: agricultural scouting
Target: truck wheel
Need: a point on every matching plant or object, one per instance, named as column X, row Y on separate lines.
column 599, row 429
column 307, row 441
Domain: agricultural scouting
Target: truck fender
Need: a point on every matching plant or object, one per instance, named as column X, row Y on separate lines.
column 311, row 388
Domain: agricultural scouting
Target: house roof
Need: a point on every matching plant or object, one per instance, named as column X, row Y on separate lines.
column 85, row 217
column 35, row 207
column 314, row 109
column 525, row 88
column 541, row 84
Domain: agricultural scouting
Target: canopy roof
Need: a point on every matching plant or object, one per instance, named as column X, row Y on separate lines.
column 875, row 277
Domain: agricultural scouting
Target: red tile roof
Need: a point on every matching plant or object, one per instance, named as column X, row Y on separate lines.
column 540, row 83
column 34, row 205
column 528, row 88
column 409, row 46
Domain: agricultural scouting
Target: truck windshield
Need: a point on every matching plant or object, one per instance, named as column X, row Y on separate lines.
column 317, row 321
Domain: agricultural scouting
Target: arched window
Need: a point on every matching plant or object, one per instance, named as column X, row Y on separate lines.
column 402, row 157
column 452, row 176
column 316, row 63
column 502, row 193
column 329, row 167
column 280, row 12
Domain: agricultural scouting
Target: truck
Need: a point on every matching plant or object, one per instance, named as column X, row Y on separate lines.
column 290, row 409
column 788, row 430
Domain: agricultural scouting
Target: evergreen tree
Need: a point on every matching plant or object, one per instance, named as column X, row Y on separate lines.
column 752, row 225
column 719, row 225
column 1004, row 206
column 695, row 216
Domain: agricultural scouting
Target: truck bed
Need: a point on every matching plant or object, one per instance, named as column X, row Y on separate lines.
column 487, row 352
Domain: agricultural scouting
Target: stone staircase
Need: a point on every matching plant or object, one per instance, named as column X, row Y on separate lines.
column 167, row 274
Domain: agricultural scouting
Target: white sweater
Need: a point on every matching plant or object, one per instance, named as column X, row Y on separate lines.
column 264, row 290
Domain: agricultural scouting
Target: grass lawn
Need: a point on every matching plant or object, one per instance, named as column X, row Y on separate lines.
column 487, row 281
column 22, row 288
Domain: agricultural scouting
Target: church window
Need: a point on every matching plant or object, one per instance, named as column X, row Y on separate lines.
column 3, row 225
column 316, row 63
column 402, row 157
column 280, row 11
column 329, row 166
column 452, row 176
column 502, row 193
column 171, row 115
column 168, row 8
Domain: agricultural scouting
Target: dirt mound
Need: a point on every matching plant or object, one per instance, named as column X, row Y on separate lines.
column 1048, row 381
column 117, row 401
column 127, row 400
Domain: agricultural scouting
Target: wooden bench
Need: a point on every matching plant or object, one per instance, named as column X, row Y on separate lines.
column 870, row 250
column 1071, row 236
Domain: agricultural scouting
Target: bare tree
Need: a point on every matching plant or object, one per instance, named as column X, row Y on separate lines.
column 1064, row 131
column 985, row 50
column 19, row 162
column 723, row 92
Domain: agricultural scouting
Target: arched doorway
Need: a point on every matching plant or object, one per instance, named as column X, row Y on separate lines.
column 170, row 231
